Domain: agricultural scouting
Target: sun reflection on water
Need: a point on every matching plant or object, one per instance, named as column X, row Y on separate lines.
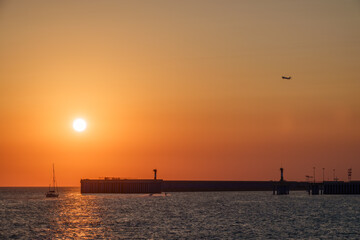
column 78, row 217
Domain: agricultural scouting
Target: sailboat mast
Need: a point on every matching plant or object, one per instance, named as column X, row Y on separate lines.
column 53, row 176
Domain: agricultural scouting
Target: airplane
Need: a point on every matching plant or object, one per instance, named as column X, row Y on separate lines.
column 285, row 77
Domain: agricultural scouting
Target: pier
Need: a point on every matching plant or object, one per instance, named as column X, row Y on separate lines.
column 339, row 187
column 116, row 185
column 334, row 187
column 315, row 188
column 282, row 187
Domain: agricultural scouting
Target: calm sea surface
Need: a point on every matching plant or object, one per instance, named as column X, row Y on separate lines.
column 25, row 213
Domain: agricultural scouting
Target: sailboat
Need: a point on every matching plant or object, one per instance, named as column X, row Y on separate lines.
column 53, row 192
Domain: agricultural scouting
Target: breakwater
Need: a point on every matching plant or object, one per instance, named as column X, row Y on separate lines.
column 116, row 185
column 204, row 186
column 339, row 187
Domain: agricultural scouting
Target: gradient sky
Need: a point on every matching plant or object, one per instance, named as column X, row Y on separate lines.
column 192, row 88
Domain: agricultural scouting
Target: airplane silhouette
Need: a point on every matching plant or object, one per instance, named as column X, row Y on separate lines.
column 288, row 78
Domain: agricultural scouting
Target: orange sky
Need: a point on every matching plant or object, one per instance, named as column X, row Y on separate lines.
column 192, row 88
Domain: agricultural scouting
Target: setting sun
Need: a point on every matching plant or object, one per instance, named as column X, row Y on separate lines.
column 192, row 88
column 79, row 125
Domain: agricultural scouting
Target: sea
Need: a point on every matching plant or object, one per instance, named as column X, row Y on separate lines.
column 25, row 213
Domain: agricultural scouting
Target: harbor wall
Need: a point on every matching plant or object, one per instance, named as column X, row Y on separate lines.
column 120, row 186
column 205, row 186
column 114, row 185
column 339, row 187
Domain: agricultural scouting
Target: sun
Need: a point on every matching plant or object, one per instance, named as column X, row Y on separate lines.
column 79, row 124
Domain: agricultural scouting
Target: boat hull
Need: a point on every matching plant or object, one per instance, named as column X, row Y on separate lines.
column 52, row 195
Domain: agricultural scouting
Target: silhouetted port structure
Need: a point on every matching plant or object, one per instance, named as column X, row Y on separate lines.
column 282, row 187
column 335, row 186
column 116, row 185
column 339, row 187
column 315, row 188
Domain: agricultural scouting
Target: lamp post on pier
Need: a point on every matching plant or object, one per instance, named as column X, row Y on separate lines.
column 314, row 174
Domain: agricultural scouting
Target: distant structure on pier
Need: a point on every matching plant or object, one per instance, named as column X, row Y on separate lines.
column 155, row 171
column 282, row 187
column 335, row 187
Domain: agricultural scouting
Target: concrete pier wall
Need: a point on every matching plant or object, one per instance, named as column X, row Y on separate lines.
column 115, row 185
column 205, row 186
column 337, row 187
column 120, row 186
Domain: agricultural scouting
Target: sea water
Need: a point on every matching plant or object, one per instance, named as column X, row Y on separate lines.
column 25, row 213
